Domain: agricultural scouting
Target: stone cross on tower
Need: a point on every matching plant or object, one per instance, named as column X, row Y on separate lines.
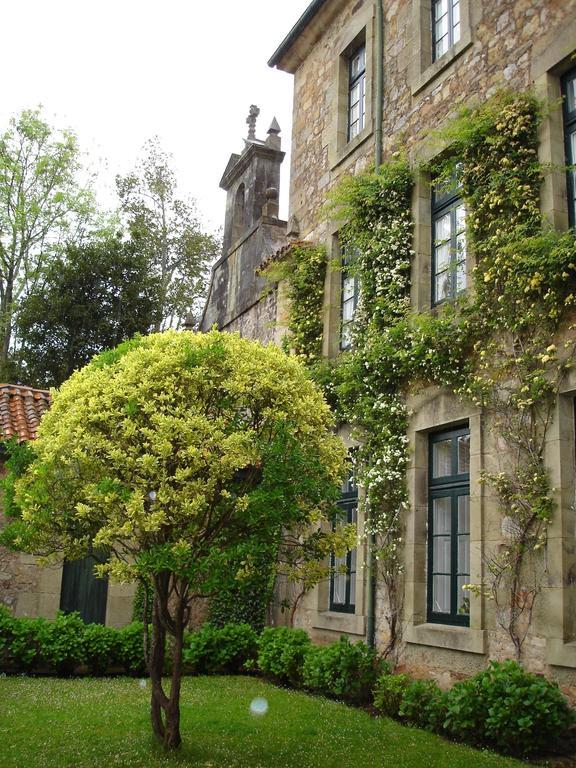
column 251, row 121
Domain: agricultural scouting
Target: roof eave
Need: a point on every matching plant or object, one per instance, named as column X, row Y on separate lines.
column 281, row 56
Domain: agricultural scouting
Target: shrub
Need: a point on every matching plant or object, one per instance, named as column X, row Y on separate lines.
column 388, row 693
column 214, row 650
column 246, row 600
column 61, row 643
column 102, row 648
column 131, row 648
column 281, row 653
column 507, row 708
column 19, row 641
column 423, row 705
column 342, row 670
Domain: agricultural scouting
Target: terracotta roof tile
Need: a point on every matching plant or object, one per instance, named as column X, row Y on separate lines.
column 21, row 409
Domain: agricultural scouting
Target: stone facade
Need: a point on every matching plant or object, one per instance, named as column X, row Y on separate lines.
column 513, row 44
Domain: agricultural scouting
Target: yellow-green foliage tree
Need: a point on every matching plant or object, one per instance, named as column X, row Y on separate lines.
column 181, row 453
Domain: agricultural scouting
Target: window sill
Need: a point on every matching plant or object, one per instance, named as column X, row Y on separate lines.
column 350, row 623
column 338, row 156
column 446, row 636
column 431, row 72
column 559, row 653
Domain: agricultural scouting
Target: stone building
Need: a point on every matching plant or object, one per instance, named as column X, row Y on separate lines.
column 29, row 589
column 368, row 80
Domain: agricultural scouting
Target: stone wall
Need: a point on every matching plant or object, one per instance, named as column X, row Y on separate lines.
column 513, row 44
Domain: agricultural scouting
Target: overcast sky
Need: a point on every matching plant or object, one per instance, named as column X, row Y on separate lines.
column 121, row 71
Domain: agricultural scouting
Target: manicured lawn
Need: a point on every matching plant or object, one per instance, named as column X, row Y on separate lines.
column 49, row 723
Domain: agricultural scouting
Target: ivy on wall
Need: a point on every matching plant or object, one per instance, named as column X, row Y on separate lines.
column 495, row 347
column 302, row 268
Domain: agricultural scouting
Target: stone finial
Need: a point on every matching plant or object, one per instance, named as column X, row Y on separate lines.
column 270, row 207
column 189, row 322
column 274, row 127
column 293, row 228
column 251, row 121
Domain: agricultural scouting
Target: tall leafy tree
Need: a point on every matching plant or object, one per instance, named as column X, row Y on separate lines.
column 92, row 297
column 169, row 230
column 187, row 456
column 41, row 203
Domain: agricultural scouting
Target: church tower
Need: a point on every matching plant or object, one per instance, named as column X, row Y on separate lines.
column 252, row 234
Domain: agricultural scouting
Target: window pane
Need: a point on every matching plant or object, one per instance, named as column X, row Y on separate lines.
column 460, row 218
column 461, row 246
column 348, row 287
column 443, row 230
column 352, row 601
column 461, row 277
column 463, row 514
column 346, row 337
column 455, row 11
column 441, row 27
column 348, row 310
column 355, row 94
column 442, row 257
column 463, row 595
column 441, row 47
column 442, row 515
column 441, row 594
column 443, row 286
column 463, row 555
column 441, row 458
column 571, row 94
column 441, row 554
column 455, row 33
column 440, row 8
column 463, row 454
column 339, row 581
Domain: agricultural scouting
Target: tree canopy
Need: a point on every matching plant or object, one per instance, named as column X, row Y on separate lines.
column 91, row 297
column 184, row 454
column 41, row 203
column 169, row 231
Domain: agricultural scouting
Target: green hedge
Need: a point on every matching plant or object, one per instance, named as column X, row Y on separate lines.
column 221, row 650
column 67, row 645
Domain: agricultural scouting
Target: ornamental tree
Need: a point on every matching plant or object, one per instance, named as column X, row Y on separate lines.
column 186, row 456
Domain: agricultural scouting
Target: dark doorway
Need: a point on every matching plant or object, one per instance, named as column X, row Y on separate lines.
column 82, row 591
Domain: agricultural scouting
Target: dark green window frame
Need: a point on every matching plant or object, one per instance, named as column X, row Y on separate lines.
column 569, row 94
column 345, row 583
column 446, row 26
column 448, row 239
column 356, row 91
column 449, row 531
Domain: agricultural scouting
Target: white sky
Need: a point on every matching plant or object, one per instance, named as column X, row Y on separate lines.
column 121, row 71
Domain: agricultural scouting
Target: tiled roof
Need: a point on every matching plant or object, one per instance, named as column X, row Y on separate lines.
column 21, row 409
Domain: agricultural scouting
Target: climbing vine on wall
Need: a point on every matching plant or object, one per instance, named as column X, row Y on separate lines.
column 303, row 269
column 496, row 346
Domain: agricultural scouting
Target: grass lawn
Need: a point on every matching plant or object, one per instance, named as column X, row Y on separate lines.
column 50, row 723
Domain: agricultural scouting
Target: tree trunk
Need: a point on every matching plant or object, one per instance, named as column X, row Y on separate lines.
column 165, row 710
column 172, row 738
column 155, row 667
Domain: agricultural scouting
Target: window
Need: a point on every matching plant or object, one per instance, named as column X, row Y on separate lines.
column 348, row 299
column 356, row 92
column 449, row 527
column 445, row 25
column 449, row 243
column 569, row 93
column 81, row 591
column 343, row 569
